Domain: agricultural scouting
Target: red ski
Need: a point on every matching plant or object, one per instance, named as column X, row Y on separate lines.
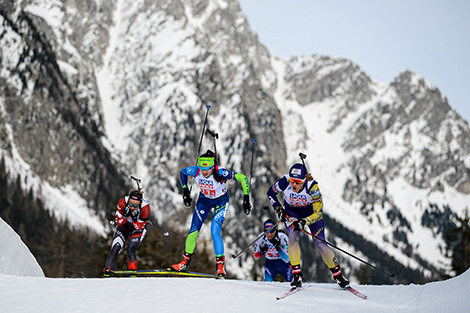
column 288, row 293
column 296, row 289
column 355, row 292
column 292, row 291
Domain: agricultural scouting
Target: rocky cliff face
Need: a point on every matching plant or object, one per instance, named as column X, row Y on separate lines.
column 50, row 126
column 94, row 91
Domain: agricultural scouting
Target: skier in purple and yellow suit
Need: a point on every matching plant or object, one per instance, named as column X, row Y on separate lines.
column 303, row 205
column 213, row 196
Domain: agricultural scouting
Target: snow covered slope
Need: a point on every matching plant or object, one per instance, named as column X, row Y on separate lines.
column 26, row 294
column 15, row 257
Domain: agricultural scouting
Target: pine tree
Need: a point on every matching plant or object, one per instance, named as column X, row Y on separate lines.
column 458, row 244
column 60, row 250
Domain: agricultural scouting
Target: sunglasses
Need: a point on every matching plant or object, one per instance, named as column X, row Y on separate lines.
column 296, row 180
column 134, row 205
column 205, row 168
column 269, row 232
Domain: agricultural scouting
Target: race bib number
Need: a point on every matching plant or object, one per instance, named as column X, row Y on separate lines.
column 207, row 189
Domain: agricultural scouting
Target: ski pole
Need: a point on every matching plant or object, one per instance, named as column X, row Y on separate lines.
column 202, row 133
column 164, row 232
column 200, row 142
column 351, row 255
column 253, row 242
column 150, row 222
column 252, row 155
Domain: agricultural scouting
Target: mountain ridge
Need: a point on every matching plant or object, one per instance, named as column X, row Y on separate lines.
column 166, row 61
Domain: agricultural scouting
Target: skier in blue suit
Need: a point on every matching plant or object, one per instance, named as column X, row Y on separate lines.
column 213, row 196
column 274, row 246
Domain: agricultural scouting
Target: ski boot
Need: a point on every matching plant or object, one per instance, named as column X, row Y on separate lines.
column 219, row 267
column 297, row 278
column 107, row 271
column 339, row 278
column 184, row 264
column 132, row 266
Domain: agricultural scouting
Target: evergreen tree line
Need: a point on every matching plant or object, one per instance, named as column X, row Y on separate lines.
column 61, row 250
column 458, row 244
column 379, row 258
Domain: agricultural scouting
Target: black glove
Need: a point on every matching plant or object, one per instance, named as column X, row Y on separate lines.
column 281, row 213
column 246, row 204
column 187, row 197
column 299, row 224
column 134, row 214
column 264, row 249
column 126, row 211
column 276, row 242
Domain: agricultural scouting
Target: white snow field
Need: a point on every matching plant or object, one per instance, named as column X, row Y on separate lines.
column 23, row 288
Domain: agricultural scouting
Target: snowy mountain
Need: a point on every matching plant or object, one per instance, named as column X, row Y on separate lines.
column 95, row 91
column 391, row 159
column 27, row 293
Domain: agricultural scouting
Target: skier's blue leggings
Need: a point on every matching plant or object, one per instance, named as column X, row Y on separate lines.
column 273, row 267
column 203, row 208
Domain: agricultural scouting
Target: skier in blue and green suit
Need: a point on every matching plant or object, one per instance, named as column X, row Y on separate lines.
column 213, row 196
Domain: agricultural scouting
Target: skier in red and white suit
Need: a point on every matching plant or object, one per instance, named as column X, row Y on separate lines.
column 132, row 214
